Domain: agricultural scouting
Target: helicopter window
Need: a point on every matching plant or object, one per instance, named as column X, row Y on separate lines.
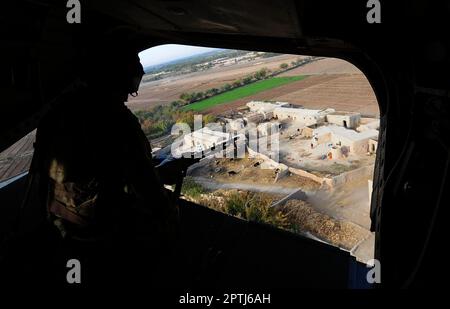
column 307, row 127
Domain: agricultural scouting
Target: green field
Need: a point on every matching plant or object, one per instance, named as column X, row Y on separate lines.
column 242, row 92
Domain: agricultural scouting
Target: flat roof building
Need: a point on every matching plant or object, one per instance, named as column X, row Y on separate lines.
column 255, row 117
column 265, row 107
column 369, row 125
column 357, row 142
column 203, row 139
column 345, row 119
column 304, row 116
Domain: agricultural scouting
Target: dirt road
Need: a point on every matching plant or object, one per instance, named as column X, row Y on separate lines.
column 347, row 202
column 211, row 184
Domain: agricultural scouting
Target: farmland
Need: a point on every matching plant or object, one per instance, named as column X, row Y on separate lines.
column 319, row 84
column 242, row 92
column 331, row 82
column 165, row 91
column 344, row 92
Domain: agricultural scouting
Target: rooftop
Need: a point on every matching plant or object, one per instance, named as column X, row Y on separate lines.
column 347, row 133
column 343, row 113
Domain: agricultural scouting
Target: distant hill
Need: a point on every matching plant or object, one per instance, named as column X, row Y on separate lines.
column 195, row 59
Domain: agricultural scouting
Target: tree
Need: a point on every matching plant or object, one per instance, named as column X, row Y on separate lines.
column 226, row 87
column 247, row 80
column 185, row 117
column 261, row 74
column 284, row 66
column 175, row 104
column 186, row 96
column 237, row 83
column 199, row 96
column 208, row 118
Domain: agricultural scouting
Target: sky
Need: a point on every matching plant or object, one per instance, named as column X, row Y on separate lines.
column 169, row 52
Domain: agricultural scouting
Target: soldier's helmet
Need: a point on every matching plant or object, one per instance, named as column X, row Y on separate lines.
column 114, row 67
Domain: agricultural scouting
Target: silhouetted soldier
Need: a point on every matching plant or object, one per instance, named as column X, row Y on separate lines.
column 104, row 203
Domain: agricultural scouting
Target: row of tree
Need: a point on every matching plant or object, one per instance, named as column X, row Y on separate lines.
column 296, row 63
column 192, row 97
column 158, row 121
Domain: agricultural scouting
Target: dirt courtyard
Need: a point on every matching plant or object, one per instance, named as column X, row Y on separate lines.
column 249, row 171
